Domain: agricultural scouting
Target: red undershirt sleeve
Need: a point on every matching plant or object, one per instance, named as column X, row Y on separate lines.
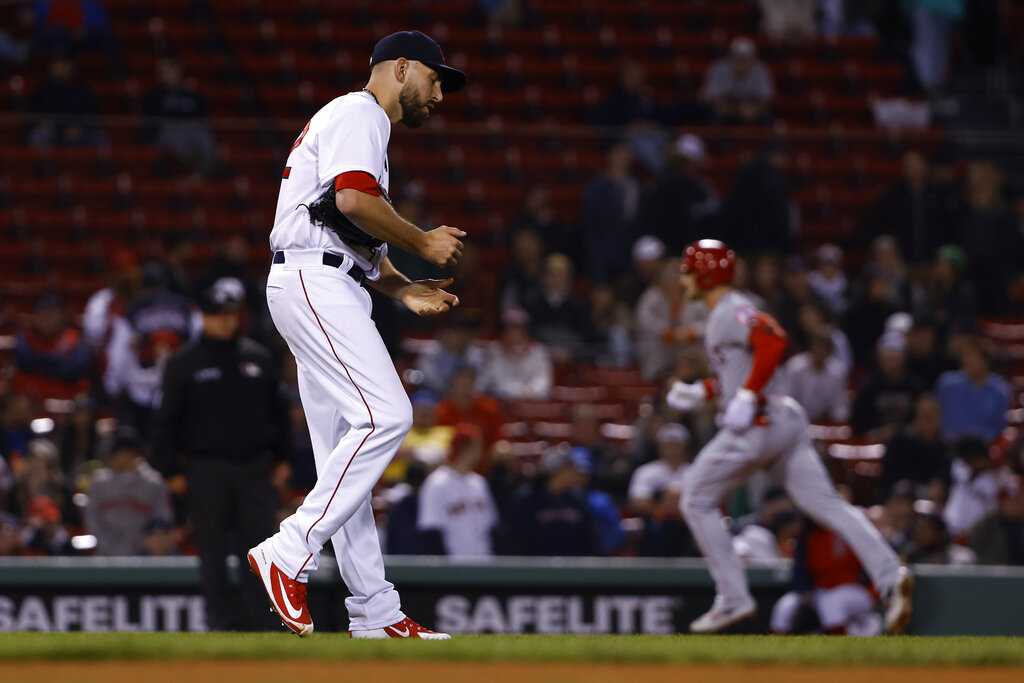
column 357, row 180
column 768, row 341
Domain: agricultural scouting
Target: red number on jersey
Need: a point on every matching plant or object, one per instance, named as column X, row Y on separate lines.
column 298, row 141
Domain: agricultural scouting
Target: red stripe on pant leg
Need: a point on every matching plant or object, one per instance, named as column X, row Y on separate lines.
column 368, row 411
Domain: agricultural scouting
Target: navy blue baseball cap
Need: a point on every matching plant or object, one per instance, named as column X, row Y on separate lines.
column 419, row 47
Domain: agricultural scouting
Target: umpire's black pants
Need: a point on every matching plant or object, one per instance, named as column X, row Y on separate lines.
column 232, row 507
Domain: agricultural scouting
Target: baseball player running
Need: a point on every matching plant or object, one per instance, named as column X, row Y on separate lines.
column 330, row 239
column 760, row 429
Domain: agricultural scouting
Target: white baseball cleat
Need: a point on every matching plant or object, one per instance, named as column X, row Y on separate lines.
column 406, row 628
column 899, row 603
column 287, row 596
column 720, row 617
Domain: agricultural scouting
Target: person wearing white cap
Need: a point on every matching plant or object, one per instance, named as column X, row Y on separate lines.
column 885, row 404
column 654, row 492
column 739, row 87
column 659, row 479
column 828, row 281
column 679, row 202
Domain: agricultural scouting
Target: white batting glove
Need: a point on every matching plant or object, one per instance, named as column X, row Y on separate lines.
column 740, row 413
column 686, row 397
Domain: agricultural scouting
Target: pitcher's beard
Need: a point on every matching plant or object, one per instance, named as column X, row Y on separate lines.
column 414, row 113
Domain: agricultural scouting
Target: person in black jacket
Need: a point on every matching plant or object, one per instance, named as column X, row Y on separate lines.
column 224, row 410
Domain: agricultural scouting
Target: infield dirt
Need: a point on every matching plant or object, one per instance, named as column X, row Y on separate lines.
column 469, row 672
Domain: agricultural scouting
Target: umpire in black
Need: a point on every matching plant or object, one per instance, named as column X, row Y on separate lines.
column 223, row 426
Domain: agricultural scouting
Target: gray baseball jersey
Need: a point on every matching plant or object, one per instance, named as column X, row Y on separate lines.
column 779, row 443
column 727, row 343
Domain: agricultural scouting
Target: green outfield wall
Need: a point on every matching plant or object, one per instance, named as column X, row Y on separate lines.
column 506, row 595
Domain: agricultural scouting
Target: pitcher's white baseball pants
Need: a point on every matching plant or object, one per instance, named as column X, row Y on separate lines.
column 358, row 414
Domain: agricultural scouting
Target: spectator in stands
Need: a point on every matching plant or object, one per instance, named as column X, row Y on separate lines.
column 865, row 321
column 540, row 216
column 818, row 382
column 663, row 320
column 43, row 532
column 518, row 367
column 999, row 538
column 610, row 203
column 125, row 498
column 553, row 515
column 680, row 205
column 522, row 276
column 464, row 403
column 924, row 358
column 765, row 283
column 931, row 543
column 984, row 225
column 455, row 504
column 10, row 535
column 15, row 425
column 813, row 321
column 7, row 482
column 403, row 536
column 946, row 295
column 632, row 99
column 648, row 252
column 978, row 484
column 155, row 325
column 66, row 26
column 771, row 531
column 611, row 325
column 427, row 441
column 828, row 282
column 654, row 491
column 39, row 475
column 231, row 259
column 898, row 517
column 110, row 303
column 918, row 455
column 51, row 356
column 608, row 468
column 455, row 348
column 739, row 87
column 932, row 29
column 758, row 215
column 64, row 107
column 161, row 538
column 974, row 400
column 789, row 20
column 178, row 116
column 558, row 318
column 886, row 401
column 912, row 210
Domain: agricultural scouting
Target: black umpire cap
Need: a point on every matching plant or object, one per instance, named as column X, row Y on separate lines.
column 420, row 47
column 225, row 295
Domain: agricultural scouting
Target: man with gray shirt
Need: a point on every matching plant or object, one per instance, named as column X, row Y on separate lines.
column 125, row 498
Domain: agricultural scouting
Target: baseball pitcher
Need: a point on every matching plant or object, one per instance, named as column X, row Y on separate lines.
column 760, row 428
column 330, row 240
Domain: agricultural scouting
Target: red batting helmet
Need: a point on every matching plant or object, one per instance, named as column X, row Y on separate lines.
column 711, row 262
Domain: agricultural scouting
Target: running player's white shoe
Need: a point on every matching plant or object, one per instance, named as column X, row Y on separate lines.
column 406, row 628
column 720, row 617
column 899, row 603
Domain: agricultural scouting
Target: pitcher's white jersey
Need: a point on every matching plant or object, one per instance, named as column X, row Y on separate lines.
column 350, row 133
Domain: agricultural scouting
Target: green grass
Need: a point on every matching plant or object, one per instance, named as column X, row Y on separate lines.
column 822, row 651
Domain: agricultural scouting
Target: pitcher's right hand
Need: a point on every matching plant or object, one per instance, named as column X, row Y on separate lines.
column 442, row 246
